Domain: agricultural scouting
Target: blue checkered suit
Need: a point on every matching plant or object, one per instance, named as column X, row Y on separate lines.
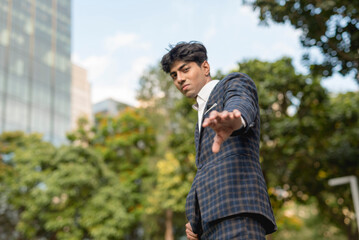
column 230, row 182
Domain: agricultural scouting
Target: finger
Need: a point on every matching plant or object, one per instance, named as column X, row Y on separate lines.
column 216, row 147
column 191, row 235
column 206, row 122
column 237, row 113
column 218, row 119
column 188, row 226
column 190, row 232
column 189, row 229
column 225, row 115
column 210, row 121
column 191, row 238
column 217, row 142
column 213, row 114
column 230, row 116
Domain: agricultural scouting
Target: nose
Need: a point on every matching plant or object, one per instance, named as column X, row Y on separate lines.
column 180, row 77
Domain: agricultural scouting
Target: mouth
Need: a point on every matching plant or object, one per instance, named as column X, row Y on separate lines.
column 185, row 87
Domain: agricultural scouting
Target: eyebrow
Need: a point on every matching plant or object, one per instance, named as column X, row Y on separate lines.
column 180, row 68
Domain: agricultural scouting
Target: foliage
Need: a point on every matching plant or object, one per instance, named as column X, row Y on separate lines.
column 9, row 215
column 300, row 221
column 126, row 142
column 331, row 26
column 307, row 137
column 92, row 189
column 171, row 189
column 65, row 193
column 173, row 163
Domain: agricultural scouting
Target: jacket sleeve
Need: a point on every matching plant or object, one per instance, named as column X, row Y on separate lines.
column 241, row 93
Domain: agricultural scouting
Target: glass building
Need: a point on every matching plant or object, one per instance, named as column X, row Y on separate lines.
column 35, row 67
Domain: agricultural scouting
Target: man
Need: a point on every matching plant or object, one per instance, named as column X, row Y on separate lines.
column 228, row 198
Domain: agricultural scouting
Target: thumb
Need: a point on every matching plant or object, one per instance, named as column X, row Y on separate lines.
column 217, row 142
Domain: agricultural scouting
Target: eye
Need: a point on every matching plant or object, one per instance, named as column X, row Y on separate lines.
column 186, row 69
column 174, row 76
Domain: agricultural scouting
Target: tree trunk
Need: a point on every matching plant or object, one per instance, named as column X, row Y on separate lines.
column 169, row 225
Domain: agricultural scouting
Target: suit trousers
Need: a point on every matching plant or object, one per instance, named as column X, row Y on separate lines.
column 240, row 227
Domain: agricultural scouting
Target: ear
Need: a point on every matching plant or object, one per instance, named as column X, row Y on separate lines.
column 207, row 69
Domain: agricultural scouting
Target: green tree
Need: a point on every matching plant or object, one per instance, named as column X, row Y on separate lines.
column 125, row 142
column 171, row 189
column 65, row 193
column 9, row 215
column 173, row 162
column 307, row 137
column 330, row 26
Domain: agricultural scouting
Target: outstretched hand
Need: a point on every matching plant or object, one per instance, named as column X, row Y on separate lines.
column 223, row 123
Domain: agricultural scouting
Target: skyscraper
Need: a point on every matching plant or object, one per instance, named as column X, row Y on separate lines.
column 80, row 96
column 35, row 67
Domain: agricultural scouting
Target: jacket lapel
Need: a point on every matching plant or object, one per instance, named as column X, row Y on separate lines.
column 196, row 140
column 211, row 103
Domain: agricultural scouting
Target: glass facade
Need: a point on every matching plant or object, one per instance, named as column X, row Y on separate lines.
column 35, row 67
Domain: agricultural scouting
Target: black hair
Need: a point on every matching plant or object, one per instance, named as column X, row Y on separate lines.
column 192, row 51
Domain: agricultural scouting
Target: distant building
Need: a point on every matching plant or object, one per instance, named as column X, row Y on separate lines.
column 35, row 67
column 108, row 107
column 80, row 96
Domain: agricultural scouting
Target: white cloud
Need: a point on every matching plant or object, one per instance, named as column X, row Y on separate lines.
column 246, row 14
column 120, row 40
column 112, row 75
column 229, row 67
column 120, row 93
column 122, row 87
column 138, row 67
column 339, row 84
column 95, row 65
column 210, row 33
column 140, row 64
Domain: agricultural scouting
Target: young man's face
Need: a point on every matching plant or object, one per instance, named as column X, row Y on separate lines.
column 189, row 78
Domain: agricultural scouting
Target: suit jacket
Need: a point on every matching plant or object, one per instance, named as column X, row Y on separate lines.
column 230, row 182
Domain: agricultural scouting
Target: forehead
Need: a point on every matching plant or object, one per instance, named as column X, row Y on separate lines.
column 176, row 65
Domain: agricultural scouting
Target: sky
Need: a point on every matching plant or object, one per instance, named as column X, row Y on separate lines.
column 117, row 40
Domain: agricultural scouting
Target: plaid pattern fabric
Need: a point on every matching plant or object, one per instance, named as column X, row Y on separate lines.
column 231, row 181
column 239, row 227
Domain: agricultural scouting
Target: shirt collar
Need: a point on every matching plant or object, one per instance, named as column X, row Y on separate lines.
column 204, row 93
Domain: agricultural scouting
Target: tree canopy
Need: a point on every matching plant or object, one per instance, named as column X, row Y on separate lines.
column 331, row 26
column 174, row 120
column 308, row 136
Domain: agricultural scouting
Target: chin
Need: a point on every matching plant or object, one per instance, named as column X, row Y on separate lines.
column 187, row 94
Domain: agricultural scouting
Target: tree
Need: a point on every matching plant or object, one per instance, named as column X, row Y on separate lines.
column 307, row 137
column 125, row 142
column 65, row 193
column 171, row 189
column 173, row 162
column 93, row 189
column 9, row 142
column 331, row 26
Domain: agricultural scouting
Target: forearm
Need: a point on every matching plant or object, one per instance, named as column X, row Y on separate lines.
column 241, row 94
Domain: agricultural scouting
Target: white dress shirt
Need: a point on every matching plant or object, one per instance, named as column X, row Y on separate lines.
column 202, row 99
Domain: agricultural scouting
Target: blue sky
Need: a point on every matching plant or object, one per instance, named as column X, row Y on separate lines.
column 116, row 40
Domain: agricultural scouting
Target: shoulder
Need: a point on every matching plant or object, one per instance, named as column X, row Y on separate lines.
column 236, row 78
column 236, row 75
